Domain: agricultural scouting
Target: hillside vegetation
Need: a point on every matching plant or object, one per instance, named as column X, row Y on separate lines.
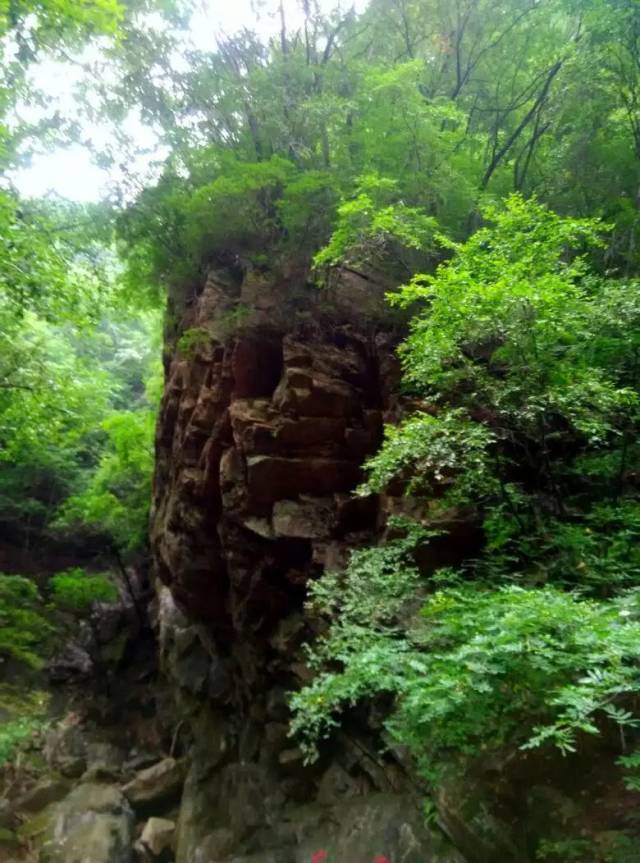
column 480, row 156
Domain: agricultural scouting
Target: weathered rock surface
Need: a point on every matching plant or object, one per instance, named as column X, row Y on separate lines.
column 159, row 784
column 42, row 794
column 93, row 823
column 261, row 435
column 260, row 444
column 66, row 750
column 239, row 816
column 157, row 838
column 72, row 663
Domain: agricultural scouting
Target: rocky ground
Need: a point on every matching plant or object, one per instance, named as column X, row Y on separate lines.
column 136, row 770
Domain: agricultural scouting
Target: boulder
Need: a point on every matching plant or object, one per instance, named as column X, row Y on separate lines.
column 66, row 749
column 104, row 762
column 157, row 837
column 217, row 845
column 72, row 663
column 160, row 784
column 388, row 826
column 471, row 813
column 93, row 823
column 42, row 794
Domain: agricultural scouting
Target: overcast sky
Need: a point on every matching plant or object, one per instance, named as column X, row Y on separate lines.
column 70, row 172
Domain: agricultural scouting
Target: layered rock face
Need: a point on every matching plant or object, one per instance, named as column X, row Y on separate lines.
column 262, row 436
column 271, row 406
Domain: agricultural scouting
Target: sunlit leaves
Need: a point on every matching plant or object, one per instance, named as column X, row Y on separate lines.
column 77, row 590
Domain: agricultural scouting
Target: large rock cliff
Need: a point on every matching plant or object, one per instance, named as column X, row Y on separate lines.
column 268, row 414
column 275, row 395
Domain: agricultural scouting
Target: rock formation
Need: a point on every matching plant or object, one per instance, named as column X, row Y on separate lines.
column 272, row 403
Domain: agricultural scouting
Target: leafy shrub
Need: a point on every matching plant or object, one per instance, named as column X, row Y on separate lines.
column 116, row 497
column 15, row 733
column 373, row 226
column 526, row 367
column 191, row 340
column 631, row 764
column 519, row 668
column 24, row 628
column 76, row 590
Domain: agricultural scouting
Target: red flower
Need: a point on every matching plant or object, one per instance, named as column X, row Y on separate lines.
column 319, row 856
column 382, row 860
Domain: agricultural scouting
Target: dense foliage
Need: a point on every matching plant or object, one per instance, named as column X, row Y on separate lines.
column 485, row 155
column 354, row 137
column 78, row 354
column 525, row 363
column 24, row 627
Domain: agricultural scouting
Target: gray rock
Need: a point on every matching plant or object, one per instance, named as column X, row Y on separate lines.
column 363, row 829
column 278, row 704
column 104, row 762
column 42, row 794
column 109, row 619
column 66, row 750
column 73, row 663
column 7, row 816
column 307, row 518
column 161, row 783
column 158, row 836
column 469, row 814
column 139, row 760
column 231, row 817
column 216, row 846
column 93, row 823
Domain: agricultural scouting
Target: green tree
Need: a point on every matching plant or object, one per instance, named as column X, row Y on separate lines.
column 525, row 363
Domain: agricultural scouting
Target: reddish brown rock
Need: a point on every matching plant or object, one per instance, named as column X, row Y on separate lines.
column 265, row 420
column 272, row 478
column 309, row 518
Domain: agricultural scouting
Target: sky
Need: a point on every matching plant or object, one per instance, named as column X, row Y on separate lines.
column 71, row 172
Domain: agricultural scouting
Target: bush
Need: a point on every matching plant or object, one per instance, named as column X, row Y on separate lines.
column 15, row 733
column 75, row 590
column 526, row 364
column 476, row 668
column 24, row 628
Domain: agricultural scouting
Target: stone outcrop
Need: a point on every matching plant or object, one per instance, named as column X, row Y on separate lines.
column 262, row 435
column 155, row 785
column 93, row 823
column 276, row 393
column 157, row 839
column 261, row 440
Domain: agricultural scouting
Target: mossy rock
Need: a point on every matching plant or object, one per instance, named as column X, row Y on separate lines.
column 8, row 839
column 113, row 652
column 93, row 823
column 34, row 828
